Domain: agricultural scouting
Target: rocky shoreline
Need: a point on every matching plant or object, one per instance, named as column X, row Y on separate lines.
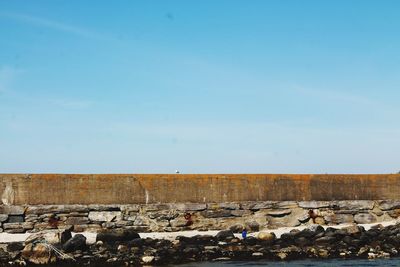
column 127, row 248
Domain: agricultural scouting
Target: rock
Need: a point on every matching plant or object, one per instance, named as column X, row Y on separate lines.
column 3, row 217
column 279, row 213
column 15, row 246
column 179, row 221
column 216, row 213
column 364, row 218
column 77, row 220
column 257, row 205
column 105, row 216
column 147, row 259
column 237, row 228
column 112, row 236
column 122, row 248
column 257, row 254
column 355, row 204
column 23, row 226
column 53, row 237
column 325, row 240
column 55, row 209
column 389, row 204
column 12, row 210
column 270, row 237
column 339, row 218
column 319, row 220
column 65, row 236
column 252, row 226
column 38, row 253
column 226, row 205
column 223, row 235
column 78, row 242
column 190, row 206
column 303, row 216
column 394, row 213
column 282, row 255
column 323, row 253
column 314, row 204
column 137, row 242
column 353, row 229
column 16, row 218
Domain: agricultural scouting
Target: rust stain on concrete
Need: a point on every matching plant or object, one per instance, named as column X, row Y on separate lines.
column 171, row 188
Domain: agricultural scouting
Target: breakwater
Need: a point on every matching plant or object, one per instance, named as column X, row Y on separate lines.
column 170, row 217
column 127, row 248
column 120, row 206
column 146, row 203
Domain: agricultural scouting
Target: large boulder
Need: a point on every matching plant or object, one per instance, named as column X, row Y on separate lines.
column 112, row 236
column 38, row 253
column 53, row 237
column 270, row 237
column 223, row 235
column 78, row 242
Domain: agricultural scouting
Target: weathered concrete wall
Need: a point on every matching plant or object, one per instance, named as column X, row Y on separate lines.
column 33, row 189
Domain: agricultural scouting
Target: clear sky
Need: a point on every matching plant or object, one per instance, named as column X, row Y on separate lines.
column 200, row 86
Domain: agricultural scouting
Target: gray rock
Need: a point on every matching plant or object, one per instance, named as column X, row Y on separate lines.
column 222, row 235
column 53, row 237
column 49, row 209
column 389, row 204
column 286, row 221
column 314, row 204
column 129, row 208
column 105, row 216
column 355, row 204
column 339, row 218
column 216, row 213
column 15, row 218
column 241, row 213
column 303, row 217
column 364, row 218
column 285, row 205
column 3, row 217
column 226, row 205
column 257, row 205
column 24, row 225
column 279, row 213
column 190, row 206
column 112, row 236
column 78, row 242
column 12, row 210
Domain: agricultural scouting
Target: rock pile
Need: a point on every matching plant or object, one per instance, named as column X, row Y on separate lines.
column 126, row 248
column 170, row 217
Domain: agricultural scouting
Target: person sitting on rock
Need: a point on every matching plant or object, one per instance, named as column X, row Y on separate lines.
column 244, row 233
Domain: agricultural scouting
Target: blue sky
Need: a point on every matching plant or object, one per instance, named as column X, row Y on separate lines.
column 199, row 86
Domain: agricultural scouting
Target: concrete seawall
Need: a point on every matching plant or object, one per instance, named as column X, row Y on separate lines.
column 33, row 189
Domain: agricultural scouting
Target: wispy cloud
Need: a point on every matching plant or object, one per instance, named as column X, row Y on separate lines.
column 7, row 76
column 337, row 96
column 51, row 24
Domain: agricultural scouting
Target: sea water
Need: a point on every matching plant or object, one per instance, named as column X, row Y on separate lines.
column 393, row 262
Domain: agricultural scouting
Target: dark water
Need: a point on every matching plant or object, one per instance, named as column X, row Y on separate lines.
column 301, row 263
